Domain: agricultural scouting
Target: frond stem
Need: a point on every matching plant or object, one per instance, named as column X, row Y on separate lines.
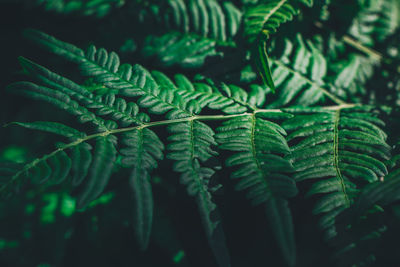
column 357, row 45
column 35, row 162
column 336, row 156
column 267, row 17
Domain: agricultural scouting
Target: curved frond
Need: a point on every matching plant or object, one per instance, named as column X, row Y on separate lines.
column 142, row 149
column 265, row 17
column 156, row 92
column 298, row 74
column 207, row 18
column 184, row 50
column 364, row 220
column 352, row 75
column 100, row 171
column 77, row 100
column 75, row 159
column 52, row 127
column 258, row 147
column 376, row 21
column 190, row 147
column 341, row 150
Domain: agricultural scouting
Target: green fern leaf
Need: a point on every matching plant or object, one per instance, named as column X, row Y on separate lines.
column 81, row 162
column 125, row 80
column 366, row 213
column 380, row 193
column 263, row 65
column 299, row 74
column 376, row 21
column 207, row 18
column 259, row 22
column 184, row 50
column 341, row 150
column 142, row 150
column 100, row 171
column 190, row 147
column 156, row 92
column 108, row 105
column 265, row 17
column 257, row 145
column 352, row 75
column 125, row 114
column 51, row 127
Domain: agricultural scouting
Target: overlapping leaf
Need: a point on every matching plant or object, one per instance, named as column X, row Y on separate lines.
column 141, row 150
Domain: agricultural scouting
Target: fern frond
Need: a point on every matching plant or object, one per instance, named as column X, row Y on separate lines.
column 360, row 226
column 298, row 74
column 52, row 168
column 352, row 75
column 156, row 92
column 81, row 162
column 348, row 71
column 258, row 146
column 270, row 136
column 260, row 21
column 52, row 127
column 100, row 171
column 184, row 50
column 106, row 106
column 175, row 100
column 199, row 30
column 73, row 158
column 190, row 147
column 58, row 99
column 207, row 18
column 376, row 21
column 126, row 80
column 380, row 193
column 266, row 16
column 341, row 150
column 140, row 155
column 142, row 149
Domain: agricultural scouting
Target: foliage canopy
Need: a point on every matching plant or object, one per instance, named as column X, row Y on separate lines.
column 272, row 94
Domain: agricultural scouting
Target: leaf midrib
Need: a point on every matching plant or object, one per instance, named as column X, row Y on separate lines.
column 336, row 157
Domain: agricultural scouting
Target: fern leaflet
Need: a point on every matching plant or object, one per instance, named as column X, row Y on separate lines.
column 260, row 164
column 347, row 150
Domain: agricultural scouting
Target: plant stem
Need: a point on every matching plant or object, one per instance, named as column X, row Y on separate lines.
column 357, row 45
